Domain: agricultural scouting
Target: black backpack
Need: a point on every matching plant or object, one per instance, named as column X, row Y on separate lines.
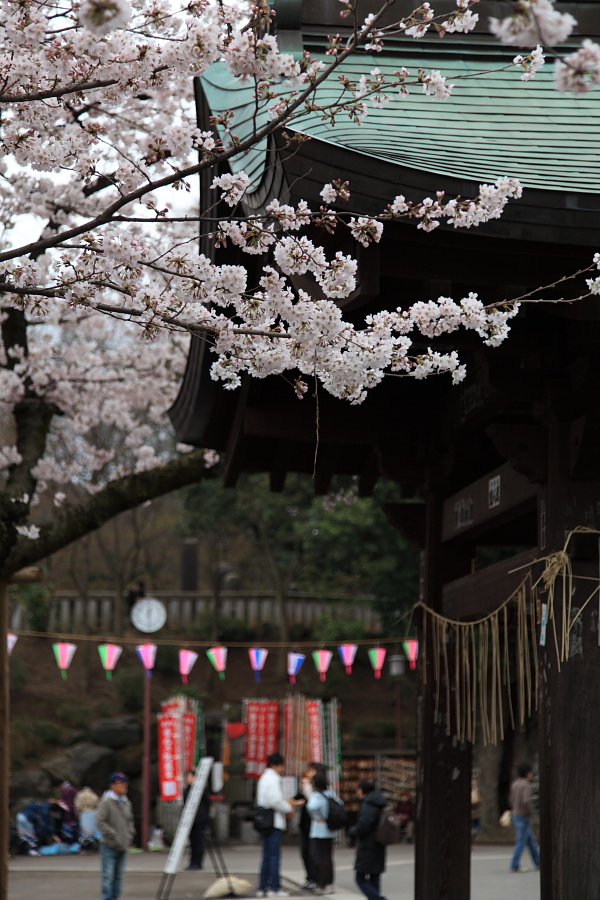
column 388, row 828
column 336, row 814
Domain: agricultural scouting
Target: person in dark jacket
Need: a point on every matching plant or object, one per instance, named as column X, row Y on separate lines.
column 370, row 855
column 200, row 824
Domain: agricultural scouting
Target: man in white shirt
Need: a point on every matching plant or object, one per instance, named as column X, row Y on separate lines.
column 269, row 794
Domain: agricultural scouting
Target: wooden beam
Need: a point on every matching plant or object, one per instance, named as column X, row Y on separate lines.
column 27, row 575
column 4, row 742
column 234, row 454
column 369, row 474
column 326, row 467
column 409, row 519
column 476, row 595
column 584, row 442
column 524, row 446
column 486, row 503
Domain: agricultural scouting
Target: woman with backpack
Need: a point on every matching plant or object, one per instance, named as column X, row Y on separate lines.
column 370, row 854
column 320, row 834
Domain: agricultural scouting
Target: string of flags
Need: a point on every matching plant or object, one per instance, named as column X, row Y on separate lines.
column 64, row 652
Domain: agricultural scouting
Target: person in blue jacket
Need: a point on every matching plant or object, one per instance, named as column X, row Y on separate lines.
column 370, row 854
column 321, row 836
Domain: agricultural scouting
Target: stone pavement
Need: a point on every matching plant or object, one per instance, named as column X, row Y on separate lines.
column 77, row 877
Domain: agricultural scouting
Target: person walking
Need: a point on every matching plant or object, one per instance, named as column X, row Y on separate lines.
column 269, row 795
column 200, row 823
column 321, row 835
column 370, row 855
column 475, row 808
column 520, row 803
column 114, row 820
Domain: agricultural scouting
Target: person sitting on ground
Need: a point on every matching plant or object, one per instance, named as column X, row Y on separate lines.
column 69, row 830
column 36, row 827
column 85, row 803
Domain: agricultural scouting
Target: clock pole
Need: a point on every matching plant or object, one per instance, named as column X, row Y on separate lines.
column 146, row 766
column 147, row 655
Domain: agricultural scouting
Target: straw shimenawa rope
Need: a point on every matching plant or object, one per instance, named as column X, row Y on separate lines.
column 474, row 663
column 487, row 671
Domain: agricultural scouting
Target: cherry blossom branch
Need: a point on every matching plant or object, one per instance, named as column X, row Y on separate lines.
column 239, row 147
column 116, row 497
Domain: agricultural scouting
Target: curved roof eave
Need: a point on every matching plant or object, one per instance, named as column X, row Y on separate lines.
column 494, row 124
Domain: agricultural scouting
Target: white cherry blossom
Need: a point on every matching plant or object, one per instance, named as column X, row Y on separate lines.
column 580, row 71
column 101, row 275
column 102, row 16
column 532, row 23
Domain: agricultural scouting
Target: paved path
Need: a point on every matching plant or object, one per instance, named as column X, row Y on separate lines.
column 77, row 877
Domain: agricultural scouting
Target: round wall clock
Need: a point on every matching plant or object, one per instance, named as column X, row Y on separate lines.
column 148, row 614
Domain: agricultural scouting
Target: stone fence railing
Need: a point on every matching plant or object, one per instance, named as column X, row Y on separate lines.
column 69, row 612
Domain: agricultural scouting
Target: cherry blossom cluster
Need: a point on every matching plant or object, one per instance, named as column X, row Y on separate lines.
column 533, row 22
column 537, row 23
column 594, row 283
column 312, row 336
column 100, row 271
column 579, row 72
column 531, row 63
column 419, row 22
column 101, row 383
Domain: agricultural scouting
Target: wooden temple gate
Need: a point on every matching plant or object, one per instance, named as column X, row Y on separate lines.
column 508, row 460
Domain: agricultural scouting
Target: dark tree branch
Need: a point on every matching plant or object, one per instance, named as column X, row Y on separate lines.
column 115, row 498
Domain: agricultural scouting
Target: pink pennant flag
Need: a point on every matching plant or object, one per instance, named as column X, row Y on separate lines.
column 64, row 653
column 322, row 659
column 11, row 640
column 147, row 655
column 377, row 657
column 187, row 659
column 258, row 657
column 218, row 657
column 109, row 656
column 347, row 653
column 294, row 664
column 411, row 648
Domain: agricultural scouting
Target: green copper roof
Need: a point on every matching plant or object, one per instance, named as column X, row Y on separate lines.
column 494, row 124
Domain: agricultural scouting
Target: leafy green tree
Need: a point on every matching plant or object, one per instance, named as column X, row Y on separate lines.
column 353, row 549
column 338, row 545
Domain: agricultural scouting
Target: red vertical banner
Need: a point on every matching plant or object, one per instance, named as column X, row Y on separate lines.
column 288, row 731
column 272, row 728
column 188, row 733
column 262, row 734
column 169, row 775
column 252, row 714
column 315, row 735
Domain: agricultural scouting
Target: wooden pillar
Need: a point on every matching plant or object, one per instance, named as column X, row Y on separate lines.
column 570, row 698
column 30, row 574
column 4, row 742
column 443, row 819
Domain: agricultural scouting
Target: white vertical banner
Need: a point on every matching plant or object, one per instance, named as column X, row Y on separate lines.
column 187, row 817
